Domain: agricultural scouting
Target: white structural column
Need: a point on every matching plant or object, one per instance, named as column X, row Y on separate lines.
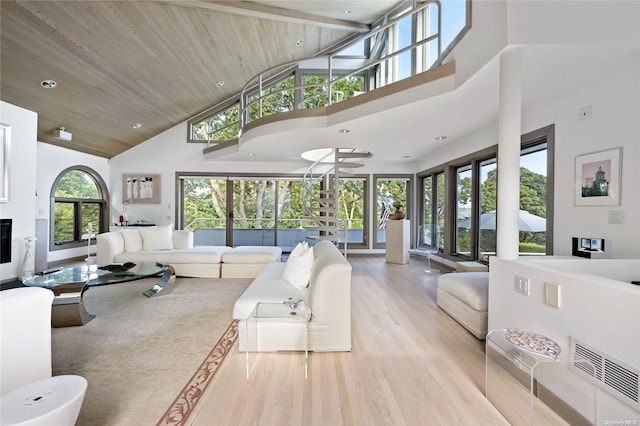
column 509, row 130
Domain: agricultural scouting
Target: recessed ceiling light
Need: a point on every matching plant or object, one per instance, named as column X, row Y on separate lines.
column 251, row 154
column 48, row 84
column 406, row 156
column 299, row 42
column 344, row 131
column 220, row 83
column 347, row 12
column 440, row 138
column 136, row 125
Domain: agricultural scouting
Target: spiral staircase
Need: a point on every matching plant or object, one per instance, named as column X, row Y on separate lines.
column 321, row 191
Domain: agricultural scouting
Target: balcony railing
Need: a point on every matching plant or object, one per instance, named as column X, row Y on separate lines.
column 382, row 66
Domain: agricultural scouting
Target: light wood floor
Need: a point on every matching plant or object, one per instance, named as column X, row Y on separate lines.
column 410, row 364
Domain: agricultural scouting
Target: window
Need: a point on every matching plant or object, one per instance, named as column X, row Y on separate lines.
column 265, row 210
column 204, row 209
column 472, row 190
column 433, row 210
column 390, row 190
column 402, row 37
column 79, row 201
column 352, row 211
column 317, row 95
column 535, row 184
column 221, row 126
column 487, row 201
column 276, row 98
column 464, row 209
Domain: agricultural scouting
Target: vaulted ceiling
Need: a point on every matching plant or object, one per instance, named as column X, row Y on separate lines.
column 157, row 63
column 117, row 63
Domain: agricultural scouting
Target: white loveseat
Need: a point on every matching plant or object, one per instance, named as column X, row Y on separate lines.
column 175, row 247
column 328, row 296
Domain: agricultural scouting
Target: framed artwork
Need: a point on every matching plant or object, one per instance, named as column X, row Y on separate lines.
column 141, row 188
column 5, row 139
column 598, row 178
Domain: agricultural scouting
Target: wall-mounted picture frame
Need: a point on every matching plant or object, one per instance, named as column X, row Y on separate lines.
column 5, row 139
column 141, row 188
column 598, row 178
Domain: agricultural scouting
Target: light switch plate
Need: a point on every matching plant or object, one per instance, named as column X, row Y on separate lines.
column 521, row 285
column 552, row 294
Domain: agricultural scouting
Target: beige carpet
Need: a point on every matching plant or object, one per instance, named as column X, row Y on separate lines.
column 139, row 355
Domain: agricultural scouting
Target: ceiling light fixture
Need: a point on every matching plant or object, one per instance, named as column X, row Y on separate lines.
column 299, row 42
column 406, row 156
column 440, row 138
column 347, row 12
column 220, row 83
column 344, row 131
column 62, row 134
column 251, row 154
column 48, row 84
column 136, row 125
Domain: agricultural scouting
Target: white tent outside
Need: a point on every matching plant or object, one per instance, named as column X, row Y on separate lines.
column 526, row 222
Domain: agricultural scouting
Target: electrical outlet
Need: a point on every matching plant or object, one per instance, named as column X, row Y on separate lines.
column 616, row 217
column 522, row 285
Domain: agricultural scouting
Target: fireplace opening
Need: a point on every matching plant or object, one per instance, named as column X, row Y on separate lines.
column 5, row 240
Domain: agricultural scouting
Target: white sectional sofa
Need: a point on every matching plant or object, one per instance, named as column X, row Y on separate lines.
column 175, row 247
column 328, row 296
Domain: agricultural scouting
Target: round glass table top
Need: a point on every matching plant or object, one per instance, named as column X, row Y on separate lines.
column 95, row 275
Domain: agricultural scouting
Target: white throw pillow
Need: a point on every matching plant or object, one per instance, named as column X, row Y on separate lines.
column 297, row 270
column 132, row 239
column 157, row 238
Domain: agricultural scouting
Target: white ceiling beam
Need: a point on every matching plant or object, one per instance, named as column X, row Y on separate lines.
column 256, row 10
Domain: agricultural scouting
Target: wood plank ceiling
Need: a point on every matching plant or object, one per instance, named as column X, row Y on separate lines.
column 152, row 62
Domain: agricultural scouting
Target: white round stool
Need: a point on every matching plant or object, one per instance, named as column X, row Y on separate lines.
column 55, row 401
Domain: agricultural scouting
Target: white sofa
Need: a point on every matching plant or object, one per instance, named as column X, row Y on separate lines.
column 465, row 297
column 175, row 247
column 328, row 296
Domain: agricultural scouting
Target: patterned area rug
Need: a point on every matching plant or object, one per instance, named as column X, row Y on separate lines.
column 138, row 353
column 186, row 401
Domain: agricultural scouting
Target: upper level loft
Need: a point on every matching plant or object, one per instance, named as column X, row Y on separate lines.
column 407, row 47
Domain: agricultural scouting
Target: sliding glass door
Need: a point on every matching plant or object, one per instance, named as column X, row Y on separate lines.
column 254, row 216
column 241, row 210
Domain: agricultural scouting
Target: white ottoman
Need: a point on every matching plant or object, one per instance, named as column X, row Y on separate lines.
column 55, row 401
column 248, row 261
column 465, row 297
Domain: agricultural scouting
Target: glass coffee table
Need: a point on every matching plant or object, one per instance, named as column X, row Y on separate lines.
column 69, row 285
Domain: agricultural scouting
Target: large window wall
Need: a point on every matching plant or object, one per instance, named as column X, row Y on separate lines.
column 261, row 210
column 459, row 199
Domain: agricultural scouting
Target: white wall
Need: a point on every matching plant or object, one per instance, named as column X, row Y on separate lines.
column 22, row 184
column 597, row 309
column 53, row 160
column 615, row 101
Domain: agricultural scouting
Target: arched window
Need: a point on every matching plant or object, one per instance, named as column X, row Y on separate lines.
column 79, row 198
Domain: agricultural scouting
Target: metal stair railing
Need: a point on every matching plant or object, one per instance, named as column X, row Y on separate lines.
column 323, row 209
